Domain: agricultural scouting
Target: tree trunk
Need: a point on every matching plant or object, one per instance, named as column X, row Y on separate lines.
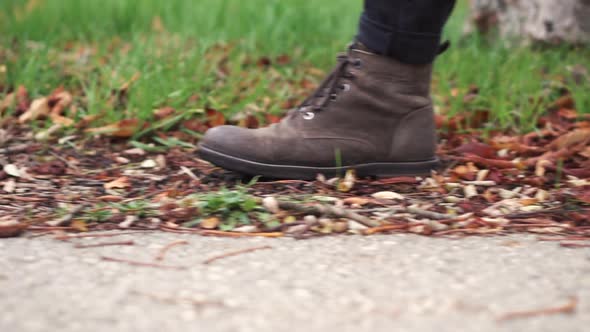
column 548, row 21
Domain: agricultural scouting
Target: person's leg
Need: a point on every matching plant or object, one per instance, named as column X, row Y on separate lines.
column 373, row 113
column 410, row 31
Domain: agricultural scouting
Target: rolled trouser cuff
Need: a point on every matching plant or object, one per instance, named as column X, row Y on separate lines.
column 408, row 47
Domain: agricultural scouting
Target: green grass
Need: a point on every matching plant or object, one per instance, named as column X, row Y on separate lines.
column 91, row 47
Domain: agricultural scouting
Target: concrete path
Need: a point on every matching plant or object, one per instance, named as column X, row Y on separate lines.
column 346, row 283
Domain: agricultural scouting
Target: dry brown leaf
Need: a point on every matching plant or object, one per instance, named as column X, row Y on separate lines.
column 476, row 148
column 356, row 201
column 79, row 225
column 164, row 112
column 11, row 228
column 60, row 101
column 540, row 167
column 61, row 120
column 574, row 137
column 123, row 129
column 346, row 184
column 7, row 102
column 215, row 118
column 585, row 152
column 210, row 223
column 39, row 108
column 387, row 195
column 120, row 183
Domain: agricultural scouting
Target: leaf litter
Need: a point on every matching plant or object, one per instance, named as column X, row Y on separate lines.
column 63, row 171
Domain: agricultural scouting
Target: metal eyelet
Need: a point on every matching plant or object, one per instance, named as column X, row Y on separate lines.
column 357, row 62
column 333, row 97
column 308, row 115
column 345, row 87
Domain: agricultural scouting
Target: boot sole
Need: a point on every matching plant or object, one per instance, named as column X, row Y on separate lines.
column 381, row 170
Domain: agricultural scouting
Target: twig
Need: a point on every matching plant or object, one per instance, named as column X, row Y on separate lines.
column 188, row 172
column 234, row 253
column 568, row 308
column 67, row 162
column 136, row 263
column 104, row 244
column 385, row 228
column 15, row 148
column 163, row 251
column 68, row 217
column 327, row 210
column 430, row 214
column 574, row 245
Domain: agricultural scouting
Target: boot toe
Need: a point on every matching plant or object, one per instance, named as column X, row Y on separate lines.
column 234, row 141
column 221, row 139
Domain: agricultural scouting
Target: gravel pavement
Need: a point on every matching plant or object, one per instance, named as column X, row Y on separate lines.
column 345, row 283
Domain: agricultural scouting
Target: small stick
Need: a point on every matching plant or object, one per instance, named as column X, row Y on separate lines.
column 234, row 253
column 67, row 162
column 163, row 251
column 568, row 308
column 136, row 263
column 104, row 244
column 430, row 214
column 15, row 148
column 68, row 217
column 574, row 245
column 385, row 228
column 188, row 172
column 327, row 210
column 237, row 234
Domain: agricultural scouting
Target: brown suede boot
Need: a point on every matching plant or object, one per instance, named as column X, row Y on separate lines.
column 372, row 114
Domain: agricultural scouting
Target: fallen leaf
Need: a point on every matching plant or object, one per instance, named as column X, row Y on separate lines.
column 346, row 184
column 214, row 117
column 567, row 113
column 148, row 163
column 39, row 108
column 59, row 101
column 470, row 191
column 12, row 170
column 578, row 136
column 164, row 112
column 9, row 186
column 110, row 198
column 120, row 183
column 356, row 201
column 123, row 129
column 210, row 223
column 79, row 225
column 476, row 148
column 11, row 228
column 387, row 195
column 566, row 101
column 61, row 120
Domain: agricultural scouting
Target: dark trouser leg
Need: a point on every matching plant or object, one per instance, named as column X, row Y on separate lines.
column 408, row 30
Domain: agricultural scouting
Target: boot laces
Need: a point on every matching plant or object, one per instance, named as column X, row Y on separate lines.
column 330, row 87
